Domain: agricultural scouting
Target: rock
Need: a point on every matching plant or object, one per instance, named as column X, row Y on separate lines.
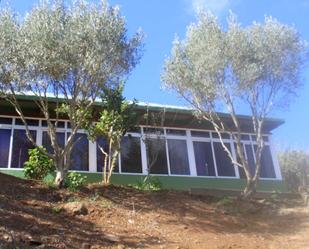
column 121, row 246
column 111, row 238
column 76, row 208
column 86, row 246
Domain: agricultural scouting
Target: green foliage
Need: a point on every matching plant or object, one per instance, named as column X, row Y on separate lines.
column 225, row 201
column 295, row 168
column 38, row 165
column 149, row 183
column 75, row 180
column 117, row 117
column 56, row 210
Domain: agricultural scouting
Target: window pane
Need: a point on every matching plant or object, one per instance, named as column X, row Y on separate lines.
column 60, row 124
column 131, row 161
column 135, row 130
column 21, row 145
column 156, row 156
column 5, row 121
column 223, row 135
column 5, row 135
column 155, row 131
column 175, row 132
column 250, row 159
column 178, row 157
column 224, row 164
column 30, row 122
column 245, row 137
column 204, row 159
column 80, row 153
column 47, row 143
column 101, row 142
column 267, row 165
column 200, row 134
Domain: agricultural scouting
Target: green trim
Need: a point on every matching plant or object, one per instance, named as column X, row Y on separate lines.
column 181, row 183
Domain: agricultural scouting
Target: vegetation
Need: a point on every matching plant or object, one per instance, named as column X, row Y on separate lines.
column 148, row 183
column 75, row 180
column 39, row 165
column 70, row 53
column 118, row 116
column 295, row 169
column 253, row 68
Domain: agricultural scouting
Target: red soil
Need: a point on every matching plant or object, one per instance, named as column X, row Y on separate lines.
column 121, row 217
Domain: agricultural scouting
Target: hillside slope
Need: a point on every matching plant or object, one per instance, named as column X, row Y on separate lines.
column 34, row 216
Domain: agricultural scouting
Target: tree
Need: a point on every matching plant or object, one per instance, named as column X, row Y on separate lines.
column 70, row 53
column 118, row 116
column 255, row 68
column 295, row 168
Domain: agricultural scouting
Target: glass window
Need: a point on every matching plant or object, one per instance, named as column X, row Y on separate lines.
column 61, row 124
column 250, row 158
column 47, row 143
column 156, row 156
column 204, row 159
column 131, row 159
column 5, row 135
column 135, row 129
column 101, row 157
column 21, row 145
column 80, row 153
column 245, row 137
column 6, row 121
column 224, row 163
column 200, row 134
column 155, row 131
column 178, row 157
column 223, row 135
column 175, row 132
column 267, row 165
column 30, row 122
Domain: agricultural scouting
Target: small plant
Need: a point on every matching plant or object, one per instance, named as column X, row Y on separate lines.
column 75, row 180
column 149, row 183
column 39, row 165
column 56, row 210
column 50, row 183
column 225, row 201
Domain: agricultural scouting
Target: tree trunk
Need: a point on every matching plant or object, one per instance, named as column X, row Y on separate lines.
column 61, row 173
column 60, row 177
column 250, row 189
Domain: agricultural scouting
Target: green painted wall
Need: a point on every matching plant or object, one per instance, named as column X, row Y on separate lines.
column 181, row 183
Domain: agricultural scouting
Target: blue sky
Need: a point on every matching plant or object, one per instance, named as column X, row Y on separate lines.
column 162, row 19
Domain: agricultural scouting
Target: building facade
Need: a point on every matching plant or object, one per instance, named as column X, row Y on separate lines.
column 183, row 153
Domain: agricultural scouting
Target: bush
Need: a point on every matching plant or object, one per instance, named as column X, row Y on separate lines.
column 295, row 169
column 149, row 183
column 39, row 165
column 75, row 180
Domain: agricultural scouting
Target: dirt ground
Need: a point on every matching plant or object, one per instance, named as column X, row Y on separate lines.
column 34, row 216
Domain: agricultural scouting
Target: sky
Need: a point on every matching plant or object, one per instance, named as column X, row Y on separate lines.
column 162, row 20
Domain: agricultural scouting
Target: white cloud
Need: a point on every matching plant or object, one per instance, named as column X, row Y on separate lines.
column 215, row 6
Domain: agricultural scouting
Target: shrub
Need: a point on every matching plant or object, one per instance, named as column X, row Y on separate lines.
column 149, row 183
column 295, row 169
column 39, row 165
column 75, row 180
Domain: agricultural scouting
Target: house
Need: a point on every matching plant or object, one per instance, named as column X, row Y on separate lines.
column 184, row 152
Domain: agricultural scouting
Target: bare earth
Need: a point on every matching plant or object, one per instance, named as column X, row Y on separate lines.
column 34, row 216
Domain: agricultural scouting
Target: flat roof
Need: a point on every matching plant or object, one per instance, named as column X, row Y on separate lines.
column 270, row 123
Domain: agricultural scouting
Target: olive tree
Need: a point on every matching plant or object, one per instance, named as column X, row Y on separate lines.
column 70, row 53
column 254, row 68
column 295, row 168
